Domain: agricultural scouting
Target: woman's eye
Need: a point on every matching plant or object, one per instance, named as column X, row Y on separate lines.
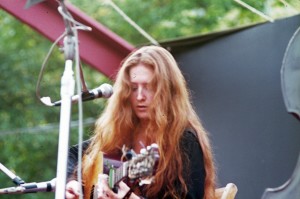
column 149, row 88
column 134, row 88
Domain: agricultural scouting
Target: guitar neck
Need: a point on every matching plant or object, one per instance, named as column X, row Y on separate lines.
column 116, row 175
column 139, row 167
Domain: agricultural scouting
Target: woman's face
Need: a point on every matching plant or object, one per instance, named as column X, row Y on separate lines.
column 141, row 90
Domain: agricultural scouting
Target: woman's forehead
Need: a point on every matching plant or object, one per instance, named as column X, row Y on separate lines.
column 141, row 73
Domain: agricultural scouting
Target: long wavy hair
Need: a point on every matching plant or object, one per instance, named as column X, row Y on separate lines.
column 171, row 113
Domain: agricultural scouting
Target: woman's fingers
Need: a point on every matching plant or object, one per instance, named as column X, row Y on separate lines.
column 103, row 190
column 123, row 189
column 102, row 179
column 70, row 195
column 72, row 189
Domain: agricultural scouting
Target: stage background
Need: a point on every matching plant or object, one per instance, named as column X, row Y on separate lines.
column 236, row 87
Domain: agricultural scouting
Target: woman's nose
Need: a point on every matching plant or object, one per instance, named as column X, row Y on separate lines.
column 140, row 94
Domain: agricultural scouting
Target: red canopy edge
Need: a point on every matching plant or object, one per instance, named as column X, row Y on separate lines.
column 100, row 48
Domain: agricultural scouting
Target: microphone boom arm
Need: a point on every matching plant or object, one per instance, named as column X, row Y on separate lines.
column 16, row 179
column 32, row 187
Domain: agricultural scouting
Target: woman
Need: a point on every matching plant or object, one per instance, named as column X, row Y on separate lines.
column 151, row 104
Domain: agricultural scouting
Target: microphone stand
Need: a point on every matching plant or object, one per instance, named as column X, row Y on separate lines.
column 67, row 91
column 16, row 179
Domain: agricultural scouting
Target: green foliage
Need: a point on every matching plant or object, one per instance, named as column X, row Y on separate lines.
column 28, row 129
column 167, row 19
column 32, row 157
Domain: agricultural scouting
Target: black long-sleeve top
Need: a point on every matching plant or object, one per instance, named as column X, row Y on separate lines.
column 194, row 172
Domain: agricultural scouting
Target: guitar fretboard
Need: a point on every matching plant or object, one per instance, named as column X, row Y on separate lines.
column 116, row 175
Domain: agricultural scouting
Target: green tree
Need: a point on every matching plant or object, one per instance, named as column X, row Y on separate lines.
column 169, row 19
column 29, row 129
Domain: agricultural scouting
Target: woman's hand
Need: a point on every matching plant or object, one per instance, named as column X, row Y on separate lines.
column 72, row 190
column 104, row 192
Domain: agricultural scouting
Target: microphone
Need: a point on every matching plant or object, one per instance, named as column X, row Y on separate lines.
column 104, row 91
column 32, row 187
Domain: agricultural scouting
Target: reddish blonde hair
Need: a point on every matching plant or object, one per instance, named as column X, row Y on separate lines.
column 171, row 113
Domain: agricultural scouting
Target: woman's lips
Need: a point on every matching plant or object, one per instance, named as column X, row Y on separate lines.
column 141, row 108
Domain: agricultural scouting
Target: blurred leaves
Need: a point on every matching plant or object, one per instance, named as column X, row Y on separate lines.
column 29, row 151
column 170, row 19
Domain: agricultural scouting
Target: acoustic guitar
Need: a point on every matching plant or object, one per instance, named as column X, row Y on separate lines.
column 137, row 171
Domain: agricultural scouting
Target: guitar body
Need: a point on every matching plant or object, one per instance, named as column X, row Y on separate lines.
column 135, row 172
